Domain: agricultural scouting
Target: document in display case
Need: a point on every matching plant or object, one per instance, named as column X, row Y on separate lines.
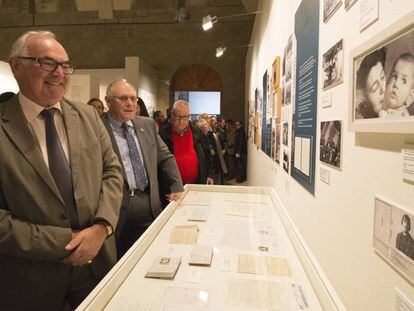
column 260, row 259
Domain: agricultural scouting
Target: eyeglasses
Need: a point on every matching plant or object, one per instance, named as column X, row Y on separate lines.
column 49, row 64
column 181, row 118
column 124, row 99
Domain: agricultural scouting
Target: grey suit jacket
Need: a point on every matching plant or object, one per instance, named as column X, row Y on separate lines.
column 156, row 157
column 34, row 222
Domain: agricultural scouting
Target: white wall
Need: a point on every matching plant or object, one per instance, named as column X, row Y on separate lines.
column 7, row 81
column 337, row 222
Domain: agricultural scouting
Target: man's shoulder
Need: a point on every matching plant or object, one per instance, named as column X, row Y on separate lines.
column 79, row 107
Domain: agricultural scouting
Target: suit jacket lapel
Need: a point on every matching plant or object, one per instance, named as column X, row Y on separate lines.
column 17, row 127
column 71, row 120
column 107, row 123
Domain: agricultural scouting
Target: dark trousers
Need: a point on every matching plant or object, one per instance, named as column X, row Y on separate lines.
column 62, row 287
column 135, row 217
column 240, row 167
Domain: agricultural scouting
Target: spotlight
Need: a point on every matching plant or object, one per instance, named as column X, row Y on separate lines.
column 220, row 51
column 208, row 22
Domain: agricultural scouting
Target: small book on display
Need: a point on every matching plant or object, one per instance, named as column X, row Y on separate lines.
column 201, row 255
column 164, row 268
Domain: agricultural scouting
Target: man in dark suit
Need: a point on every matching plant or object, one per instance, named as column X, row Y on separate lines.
column 60, row 185
column 141, row 153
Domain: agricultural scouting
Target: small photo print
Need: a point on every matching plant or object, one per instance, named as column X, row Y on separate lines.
column 333, row 65
column 285, row 133
column 330, row 144
column 286, row 160
column 329, row 8
column 288, row 94
column 349, row 3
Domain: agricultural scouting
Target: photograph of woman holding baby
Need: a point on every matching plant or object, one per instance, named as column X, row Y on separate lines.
column 384, row 84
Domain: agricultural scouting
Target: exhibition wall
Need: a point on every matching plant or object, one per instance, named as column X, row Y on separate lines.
column 332, row 202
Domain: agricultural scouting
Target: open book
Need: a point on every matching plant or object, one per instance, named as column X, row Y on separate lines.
column 164, row 268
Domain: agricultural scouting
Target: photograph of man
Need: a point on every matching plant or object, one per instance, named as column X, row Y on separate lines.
column 404, row 241
column 142, row 154
column 60, row 185
column 186, row 141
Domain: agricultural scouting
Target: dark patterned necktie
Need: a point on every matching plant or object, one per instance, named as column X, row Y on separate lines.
column 137, row 164
column 59, row 166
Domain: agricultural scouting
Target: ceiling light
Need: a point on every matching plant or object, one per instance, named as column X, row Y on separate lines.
column 208, row 22
column 220, row 51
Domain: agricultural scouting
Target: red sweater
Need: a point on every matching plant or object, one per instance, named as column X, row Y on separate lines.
column 185, row 156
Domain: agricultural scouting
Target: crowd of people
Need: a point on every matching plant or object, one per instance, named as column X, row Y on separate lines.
column 79, row 186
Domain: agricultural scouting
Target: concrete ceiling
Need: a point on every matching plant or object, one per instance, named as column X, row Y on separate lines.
column 165, row 33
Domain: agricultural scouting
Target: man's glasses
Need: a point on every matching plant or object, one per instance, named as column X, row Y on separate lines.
column 124, row 99
column 49, row 64
column 181, row 118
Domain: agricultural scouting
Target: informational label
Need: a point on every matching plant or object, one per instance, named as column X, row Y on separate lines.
column 306, row 93
column 327, row 100
column 325, row 175
column 407, row 153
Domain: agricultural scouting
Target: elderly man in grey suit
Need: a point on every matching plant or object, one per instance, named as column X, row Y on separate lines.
column 60, row 185
column 143, row 156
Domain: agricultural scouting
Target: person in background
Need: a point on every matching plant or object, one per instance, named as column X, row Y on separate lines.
column 141, row 109
column 168, row 114
column 186, row 143
column 142, row 154
column 97, row 104
column 60, row 185
column 240, row 152
column 212, row 146
column 6, row 96
column 159, row 118
column 230, row 143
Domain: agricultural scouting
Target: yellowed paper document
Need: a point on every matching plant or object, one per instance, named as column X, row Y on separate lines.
column 186, row 234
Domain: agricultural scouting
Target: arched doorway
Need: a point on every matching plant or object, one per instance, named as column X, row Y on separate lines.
column 194, row 80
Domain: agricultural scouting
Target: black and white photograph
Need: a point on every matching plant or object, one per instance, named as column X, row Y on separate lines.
column 333, row 65
column 288, row 94
column 288, row 70
column 383, row 80
column 349, row 3
column 286, row 160
column 329, row 8
column 285, row 133
column 277, row 145
column 393, row 235
column 289, row 47
column 330, row 144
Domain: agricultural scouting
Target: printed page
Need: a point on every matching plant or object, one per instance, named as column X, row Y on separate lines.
column 250, row 264
column 198, row 213
column 277, row 266
column 244, row 210
column 201, row 255
column 186, row 234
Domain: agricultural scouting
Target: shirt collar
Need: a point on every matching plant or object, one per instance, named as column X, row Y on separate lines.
column 116, row 124
column 31, row 110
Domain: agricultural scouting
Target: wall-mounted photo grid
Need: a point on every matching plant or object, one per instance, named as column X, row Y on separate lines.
column 393, row 236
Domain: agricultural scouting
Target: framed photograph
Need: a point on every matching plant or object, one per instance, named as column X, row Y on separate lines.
column 330, row 143
column 349, row 3
column 333, row 65
column 329, row 8
column 368, row 13
column 288, row 94
column 288, row 70
column 276, row 73
column 277, row 144
column 379, row 103
column 393, row 236
column 285, row 133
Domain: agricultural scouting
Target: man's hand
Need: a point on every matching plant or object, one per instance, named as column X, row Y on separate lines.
column 85, row 245
column 237, row 155
column 210, row 181
column 175, row 196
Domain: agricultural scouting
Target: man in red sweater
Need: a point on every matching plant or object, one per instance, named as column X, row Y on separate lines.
column 186, row 143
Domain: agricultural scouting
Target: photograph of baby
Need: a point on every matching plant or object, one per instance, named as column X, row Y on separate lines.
column 330, row 144
column 384, row 81
column 333, row 65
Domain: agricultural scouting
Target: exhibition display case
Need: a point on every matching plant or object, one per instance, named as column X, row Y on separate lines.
column 218, row 248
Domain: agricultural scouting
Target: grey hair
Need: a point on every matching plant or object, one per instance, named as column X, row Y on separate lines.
column 111, row 85
column 19, row 46
column 180, row 102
